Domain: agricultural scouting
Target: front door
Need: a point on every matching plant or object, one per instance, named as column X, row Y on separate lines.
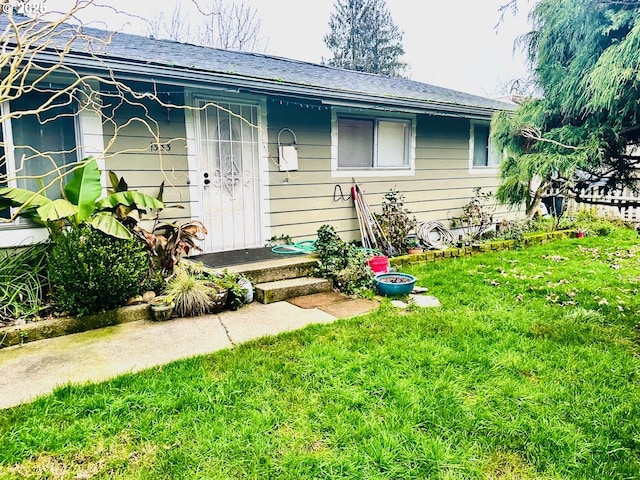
column 229, row 169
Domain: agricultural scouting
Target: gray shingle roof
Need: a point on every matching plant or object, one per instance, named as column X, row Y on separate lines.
column 274, row 75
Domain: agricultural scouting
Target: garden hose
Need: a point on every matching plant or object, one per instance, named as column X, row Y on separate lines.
column 424, row 230
column 305, row 246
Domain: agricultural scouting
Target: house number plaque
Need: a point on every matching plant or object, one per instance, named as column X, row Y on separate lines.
column 157, row 147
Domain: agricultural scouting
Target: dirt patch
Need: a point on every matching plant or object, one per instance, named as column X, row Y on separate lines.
column 350, row 308
column 316, row 300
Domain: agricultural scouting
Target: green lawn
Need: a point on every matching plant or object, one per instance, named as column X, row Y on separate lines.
column 530, row 370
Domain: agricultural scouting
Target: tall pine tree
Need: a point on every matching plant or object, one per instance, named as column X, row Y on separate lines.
column 364, row 38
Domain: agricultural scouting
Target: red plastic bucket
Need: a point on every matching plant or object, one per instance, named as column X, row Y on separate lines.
column 379, row 264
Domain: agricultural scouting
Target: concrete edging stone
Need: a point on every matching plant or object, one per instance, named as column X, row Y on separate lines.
column 436, row 255
column 57, row 327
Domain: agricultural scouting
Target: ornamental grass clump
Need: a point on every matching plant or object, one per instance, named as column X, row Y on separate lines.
column 23, row 282
column 191, row 295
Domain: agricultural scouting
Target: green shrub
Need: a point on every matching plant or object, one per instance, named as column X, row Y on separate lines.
column 343, row 263
column 592, row 223
column 92, row 272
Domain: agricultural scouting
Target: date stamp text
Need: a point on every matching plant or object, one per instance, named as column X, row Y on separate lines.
column 23, row 7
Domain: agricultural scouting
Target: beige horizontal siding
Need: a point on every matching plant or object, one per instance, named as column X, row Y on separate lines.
column 132, row 154
column 301, row 201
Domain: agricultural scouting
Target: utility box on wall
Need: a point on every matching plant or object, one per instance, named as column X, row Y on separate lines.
column 287, row 154
column 288, row 158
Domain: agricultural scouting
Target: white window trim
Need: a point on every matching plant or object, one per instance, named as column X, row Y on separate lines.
column 476, row 169
column 337, row 172
column 89, row 139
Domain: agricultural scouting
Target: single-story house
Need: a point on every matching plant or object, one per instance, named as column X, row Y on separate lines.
column 254, row 146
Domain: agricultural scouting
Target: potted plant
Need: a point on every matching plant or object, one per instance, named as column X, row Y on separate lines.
column 162, row 307
column 413, row 245
column 192, row 295
column 218, row 297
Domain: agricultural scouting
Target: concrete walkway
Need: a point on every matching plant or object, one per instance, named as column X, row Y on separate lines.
column 33, row 369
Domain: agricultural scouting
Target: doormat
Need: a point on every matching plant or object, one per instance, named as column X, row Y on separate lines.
column 239, row 257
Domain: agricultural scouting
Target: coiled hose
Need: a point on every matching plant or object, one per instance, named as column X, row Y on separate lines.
column 424, row 233
column 306, row 246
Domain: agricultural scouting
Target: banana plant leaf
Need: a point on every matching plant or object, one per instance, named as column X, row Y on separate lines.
column 57, row 210
column 129, row 198
column 117, row 184
column 84, row 188
column 18, row 197
column 108, row 224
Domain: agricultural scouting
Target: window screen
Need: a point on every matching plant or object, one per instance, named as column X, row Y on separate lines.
column 42, row 142
column 355, row 143
column 370, row 143
column 480, row 145
column 392, row 143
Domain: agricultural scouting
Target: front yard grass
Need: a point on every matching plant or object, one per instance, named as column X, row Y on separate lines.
column 529, row 370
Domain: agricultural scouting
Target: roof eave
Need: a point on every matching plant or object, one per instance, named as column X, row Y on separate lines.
column 235, row 82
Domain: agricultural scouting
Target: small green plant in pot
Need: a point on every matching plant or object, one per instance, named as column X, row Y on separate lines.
column 238, row 288
column 413, row 244
column 191, row 295
column 162, row 307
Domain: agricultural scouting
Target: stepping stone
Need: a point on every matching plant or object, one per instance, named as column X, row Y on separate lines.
column 350, row 308
column 399, row 304
column 318, row 299
column 425, row 301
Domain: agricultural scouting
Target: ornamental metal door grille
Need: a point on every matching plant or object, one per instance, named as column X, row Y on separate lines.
column 229, row 144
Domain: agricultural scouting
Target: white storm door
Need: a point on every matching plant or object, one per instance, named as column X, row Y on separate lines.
column 229, row 169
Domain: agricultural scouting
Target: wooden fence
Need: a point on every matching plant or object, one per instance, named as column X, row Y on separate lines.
column 624, row 204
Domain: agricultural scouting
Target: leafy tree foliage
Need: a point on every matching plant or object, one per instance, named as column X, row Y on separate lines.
column 585, row 59
column 364, row 38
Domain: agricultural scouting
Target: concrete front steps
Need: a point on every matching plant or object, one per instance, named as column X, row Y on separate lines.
column 282, row 279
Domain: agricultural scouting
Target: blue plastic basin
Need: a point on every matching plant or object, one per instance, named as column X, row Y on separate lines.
column 391, row 289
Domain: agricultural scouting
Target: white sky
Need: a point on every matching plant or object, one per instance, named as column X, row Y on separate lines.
column 450, row 43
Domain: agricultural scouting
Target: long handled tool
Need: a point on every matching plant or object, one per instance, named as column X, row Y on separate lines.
column 370, row 230
column 366, row 242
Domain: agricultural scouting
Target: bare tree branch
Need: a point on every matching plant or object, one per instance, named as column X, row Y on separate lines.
column 48, row 92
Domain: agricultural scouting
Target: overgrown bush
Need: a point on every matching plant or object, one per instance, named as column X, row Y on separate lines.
column 92, row 272
column 477, row 216
column 396, row 221
column 594, row 224
column 518, row 229
column 23, row 282
column 343, row 263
